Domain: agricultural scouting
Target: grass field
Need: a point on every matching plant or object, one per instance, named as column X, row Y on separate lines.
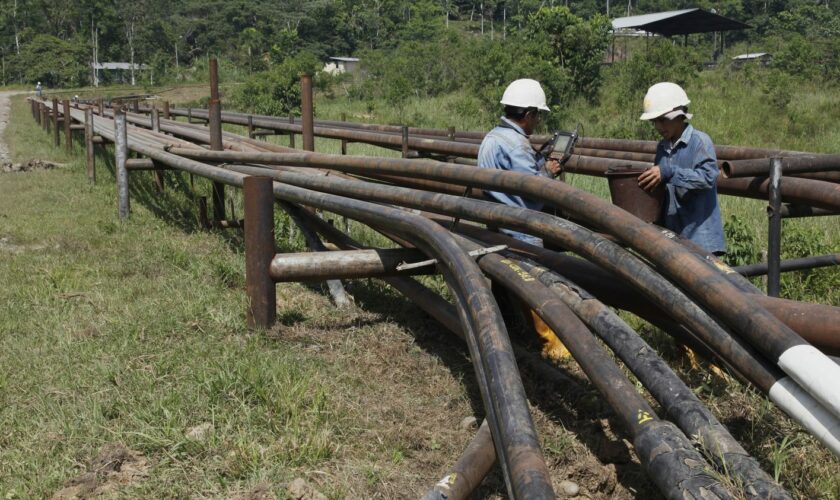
column 127, row 340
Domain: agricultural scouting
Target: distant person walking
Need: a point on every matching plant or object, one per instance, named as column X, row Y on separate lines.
column 39, row 91
column 686, row 163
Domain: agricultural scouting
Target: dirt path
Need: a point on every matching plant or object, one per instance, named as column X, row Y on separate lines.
column 5, row 105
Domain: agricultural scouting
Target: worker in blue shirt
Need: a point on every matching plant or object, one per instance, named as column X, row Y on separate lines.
column 687, row 165
column 508, row 147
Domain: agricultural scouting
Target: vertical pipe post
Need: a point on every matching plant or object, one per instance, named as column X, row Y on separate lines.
column 56, row 131
column 36, row 112
column 166, row 114
column 42, row 118
column 101, row 105
column 344, row 141
column 291, row 134
column 450, row 133
column 135, row 105
column 121, row 155
column 774, row 231
column 159, row 181
column 405, row 141
column 307, row 112
column 189, row 115
column 214, row 116
column 259, row 250
column 90, row 157
column 46, row 117
column 68, row 135
column 155, row 119
column 250, row 126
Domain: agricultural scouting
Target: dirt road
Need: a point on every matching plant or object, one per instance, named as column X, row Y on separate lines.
column 4, row 120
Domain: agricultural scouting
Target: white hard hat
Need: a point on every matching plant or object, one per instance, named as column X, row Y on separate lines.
column 39, row 83
column 525, row 93
column 664, row 98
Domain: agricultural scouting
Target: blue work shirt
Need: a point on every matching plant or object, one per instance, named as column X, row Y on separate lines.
column 689, row 171
column 507, row 147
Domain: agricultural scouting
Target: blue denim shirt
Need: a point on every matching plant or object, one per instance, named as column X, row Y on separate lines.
column 689, row 171
column 507, row 147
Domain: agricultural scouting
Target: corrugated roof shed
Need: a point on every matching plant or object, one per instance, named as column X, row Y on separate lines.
column 679, row 22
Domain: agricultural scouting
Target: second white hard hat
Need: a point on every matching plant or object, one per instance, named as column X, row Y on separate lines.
column 525, row 93
column 662, row 99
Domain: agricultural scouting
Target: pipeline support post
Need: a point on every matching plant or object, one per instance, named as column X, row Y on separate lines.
column 250, row 127
column 45, row 117
column 405, row 141
column 158, row 172
column 259, row 251
column 307, row 111
column 121, row 155
column 100, row 103
column 90, row 156
column 291, row 133
column 68, row 134
column 774, row 231
column 166, row 114
column 155, row 119
column 214, row 116
column 344, row 141
column 54, row 124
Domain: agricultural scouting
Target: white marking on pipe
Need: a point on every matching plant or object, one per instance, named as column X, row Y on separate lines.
column 475, row 253
column 808, row 412
column 815, row 373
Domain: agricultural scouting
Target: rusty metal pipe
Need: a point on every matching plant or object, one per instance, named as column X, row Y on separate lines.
column 90, row 153
column 259, row 251
column 68, row 134
column 812, row 262
column 307, row 112
column 790, row 165
column 791, row 211
column 665, row 386
column 320, row 266
column 677, row 469
column 121, row 155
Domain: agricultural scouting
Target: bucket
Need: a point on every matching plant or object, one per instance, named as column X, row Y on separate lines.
column 626, row 193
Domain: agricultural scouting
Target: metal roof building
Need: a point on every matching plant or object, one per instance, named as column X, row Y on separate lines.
column 678, row 22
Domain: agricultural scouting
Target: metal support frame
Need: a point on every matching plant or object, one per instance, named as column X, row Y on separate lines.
column 214, row 117
column 54, row 124
column 259, row 251
column 291, row 134
column 344, row 141
column 250, row 126
column 121, row 155
column 166, row 114
column 774, row 230
column 307, row 111
column 90, row 153
column 68, row 133
column 405, row 141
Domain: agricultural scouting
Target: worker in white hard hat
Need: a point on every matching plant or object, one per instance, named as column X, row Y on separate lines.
column 686, row 164
column 39, row 91
column 508, row 147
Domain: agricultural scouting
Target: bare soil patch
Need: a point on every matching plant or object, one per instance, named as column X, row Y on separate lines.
column 114, row 468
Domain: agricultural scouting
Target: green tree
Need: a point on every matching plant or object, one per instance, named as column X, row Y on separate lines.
column 52, row 61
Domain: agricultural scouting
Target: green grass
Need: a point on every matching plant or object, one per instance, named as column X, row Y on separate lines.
column 134, row 333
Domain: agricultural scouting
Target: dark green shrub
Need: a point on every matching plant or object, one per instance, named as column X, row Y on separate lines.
column 277, row 91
